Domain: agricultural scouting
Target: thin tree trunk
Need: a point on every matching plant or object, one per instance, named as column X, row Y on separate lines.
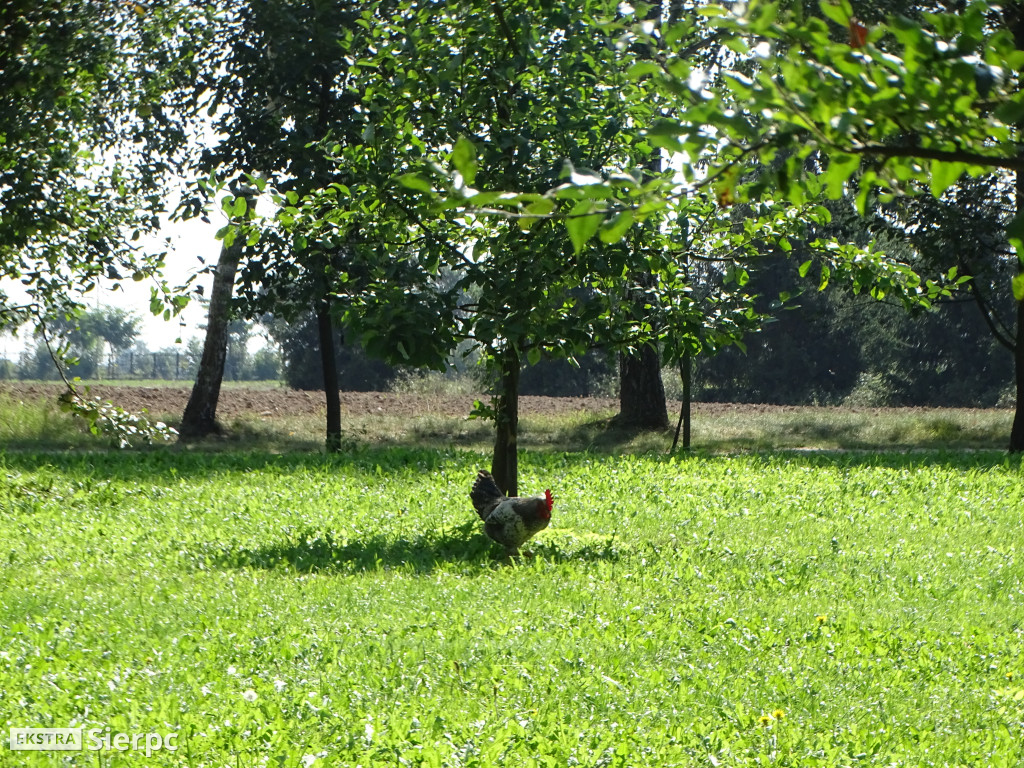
column 687, row 399
column 1016, row 18
column 200, row 416
column 1017, row 431
column 325, row 332
column 505, row 462
column 686, row 376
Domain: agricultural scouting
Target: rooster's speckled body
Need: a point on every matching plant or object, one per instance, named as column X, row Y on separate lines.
column 510, row 522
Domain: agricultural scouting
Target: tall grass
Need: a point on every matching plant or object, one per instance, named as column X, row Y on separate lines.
column 38, row 423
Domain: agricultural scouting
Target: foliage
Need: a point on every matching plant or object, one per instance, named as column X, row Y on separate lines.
column 884, row 97
column 92, row 92
column 824, row 344
column 966, row 228
column 103, row 417
column 90, row 331
column 310, row 124
column 303, row 364
column 739, row 610
column 125, row 428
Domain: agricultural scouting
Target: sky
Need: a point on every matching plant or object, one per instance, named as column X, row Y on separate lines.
column 190, row 240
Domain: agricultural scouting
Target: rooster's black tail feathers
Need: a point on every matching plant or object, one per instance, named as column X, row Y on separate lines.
column 485, row 493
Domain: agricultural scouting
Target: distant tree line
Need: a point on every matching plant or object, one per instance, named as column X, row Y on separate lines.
column 103, row 343
column 829, row 348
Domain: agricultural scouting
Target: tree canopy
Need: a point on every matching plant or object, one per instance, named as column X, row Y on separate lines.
column 489, row 171
column 90, row 92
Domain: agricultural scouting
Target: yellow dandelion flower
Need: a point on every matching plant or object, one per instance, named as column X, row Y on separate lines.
column 821, row 618
column 765, row 720
column 778, row 714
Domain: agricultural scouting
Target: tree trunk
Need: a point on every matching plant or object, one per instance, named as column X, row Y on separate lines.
column 641, row 391
column 325, row 332
column 200, row 416
column 686, row 375
column 505, row 462
column 1017, row 431
column 1016, row 19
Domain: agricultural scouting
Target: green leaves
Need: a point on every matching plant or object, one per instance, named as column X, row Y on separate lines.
column 1018, row 287
column 415, row 182
column 582, row 223
column 859, row 100
column 85, row 150
column 839, row 11
column 944, row 175
column 615, row 228
column 840, row 168
column 1015, row 234
column 464, row 160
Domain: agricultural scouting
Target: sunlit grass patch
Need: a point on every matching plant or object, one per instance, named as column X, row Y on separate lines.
column 790, row 609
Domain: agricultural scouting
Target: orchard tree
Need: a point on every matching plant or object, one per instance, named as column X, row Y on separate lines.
column 544, row 100
column 528, row 96
column 89, row 90
column 307, row 117
column 884, row 111
column 95, row 96
column 200, row 416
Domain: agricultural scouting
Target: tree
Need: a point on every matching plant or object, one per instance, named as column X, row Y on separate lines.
column 302, row 111
column 530, row 112
column 88, row 89
column 95, row 96
column 641, row 390
column 965, row 229
column 530, row 107
column 88, row 333
column 200, row 416
column 356, row 370
column 530, row 98
column 895, row 107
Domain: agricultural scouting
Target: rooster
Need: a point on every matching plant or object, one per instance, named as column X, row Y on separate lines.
column 510, row 522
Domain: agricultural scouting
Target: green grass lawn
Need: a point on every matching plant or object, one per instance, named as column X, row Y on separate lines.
column 296, row 610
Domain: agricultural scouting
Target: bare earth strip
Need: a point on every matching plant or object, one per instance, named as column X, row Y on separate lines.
column 278, row 401
column 236, row 401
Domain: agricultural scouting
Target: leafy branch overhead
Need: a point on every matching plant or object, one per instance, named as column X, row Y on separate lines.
column 901, row 105
column 825, row 106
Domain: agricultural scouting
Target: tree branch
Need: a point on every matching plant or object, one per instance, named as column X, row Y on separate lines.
column 1015, row 163
column 499, row 13
column 995, row 326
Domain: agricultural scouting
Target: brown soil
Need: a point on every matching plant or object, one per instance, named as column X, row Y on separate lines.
column 269, row 402
column 266, row 402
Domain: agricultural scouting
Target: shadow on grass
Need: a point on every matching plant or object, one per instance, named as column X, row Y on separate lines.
column 604, row 435
column 319, row 552
column 587, row 444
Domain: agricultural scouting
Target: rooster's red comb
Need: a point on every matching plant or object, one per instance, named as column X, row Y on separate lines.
column 549, row 499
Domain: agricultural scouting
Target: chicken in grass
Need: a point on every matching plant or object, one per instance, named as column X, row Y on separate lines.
column 510, row 522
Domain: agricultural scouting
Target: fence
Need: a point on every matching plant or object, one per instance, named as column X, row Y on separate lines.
column 172, row 366
column 147, row 365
